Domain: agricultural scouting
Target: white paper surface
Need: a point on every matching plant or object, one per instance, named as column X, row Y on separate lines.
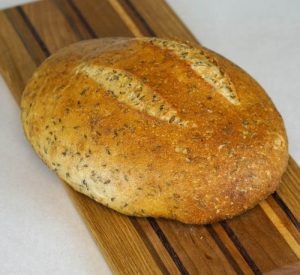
column 40, row 230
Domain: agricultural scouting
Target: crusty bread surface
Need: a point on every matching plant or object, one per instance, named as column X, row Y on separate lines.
column 153, row 127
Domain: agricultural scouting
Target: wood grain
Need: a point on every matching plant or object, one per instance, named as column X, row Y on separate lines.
column 56, row 33
column 289, row 188
column 264, row 239
column 131, row 254
column 196, row 248
column 162, row 21
column 231, row 247
column 257, row 233
column 13, row 59
column 281, row 227
column 292, row 269
column 108, row 24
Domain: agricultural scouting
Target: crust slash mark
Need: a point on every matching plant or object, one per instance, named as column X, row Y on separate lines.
column 131, row 91
column 202, row 64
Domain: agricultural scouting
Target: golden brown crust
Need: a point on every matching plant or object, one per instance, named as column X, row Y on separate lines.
column 152, row 127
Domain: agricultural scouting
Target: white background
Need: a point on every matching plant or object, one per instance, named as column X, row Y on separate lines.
column 40, row 230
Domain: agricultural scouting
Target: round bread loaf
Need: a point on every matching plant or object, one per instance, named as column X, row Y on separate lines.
column 153, row 127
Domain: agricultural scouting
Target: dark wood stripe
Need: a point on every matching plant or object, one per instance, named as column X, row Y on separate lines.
column 133, row 10
column 33, row 31
column 286, row 210
column 137, row 18
column 223, row 248
column 240, row 247
column 37, row 60
column 149, row 245
column 161, row 235
column 82, row 18
column 59, row 4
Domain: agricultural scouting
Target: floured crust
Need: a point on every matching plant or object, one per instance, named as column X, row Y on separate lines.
column 153, row 127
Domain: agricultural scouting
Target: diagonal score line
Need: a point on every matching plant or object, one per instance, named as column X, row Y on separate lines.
column 202, row 64
column 198, row 61
column 129, row 90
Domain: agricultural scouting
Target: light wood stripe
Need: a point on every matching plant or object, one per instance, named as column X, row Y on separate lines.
column 285, row 233
column 162, row 19
column 289, row 189
column 232, row 248
column 126, row 18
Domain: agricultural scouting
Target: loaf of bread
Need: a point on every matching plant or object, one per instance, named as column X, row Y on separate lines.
column 153, row 127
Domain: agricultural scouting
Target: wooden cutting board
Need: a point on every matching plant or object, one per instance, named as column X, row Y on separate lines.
column 264, row 239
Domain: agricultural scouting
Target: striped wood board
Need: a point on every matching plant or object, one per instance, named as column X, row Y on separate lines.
column 265, row 239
